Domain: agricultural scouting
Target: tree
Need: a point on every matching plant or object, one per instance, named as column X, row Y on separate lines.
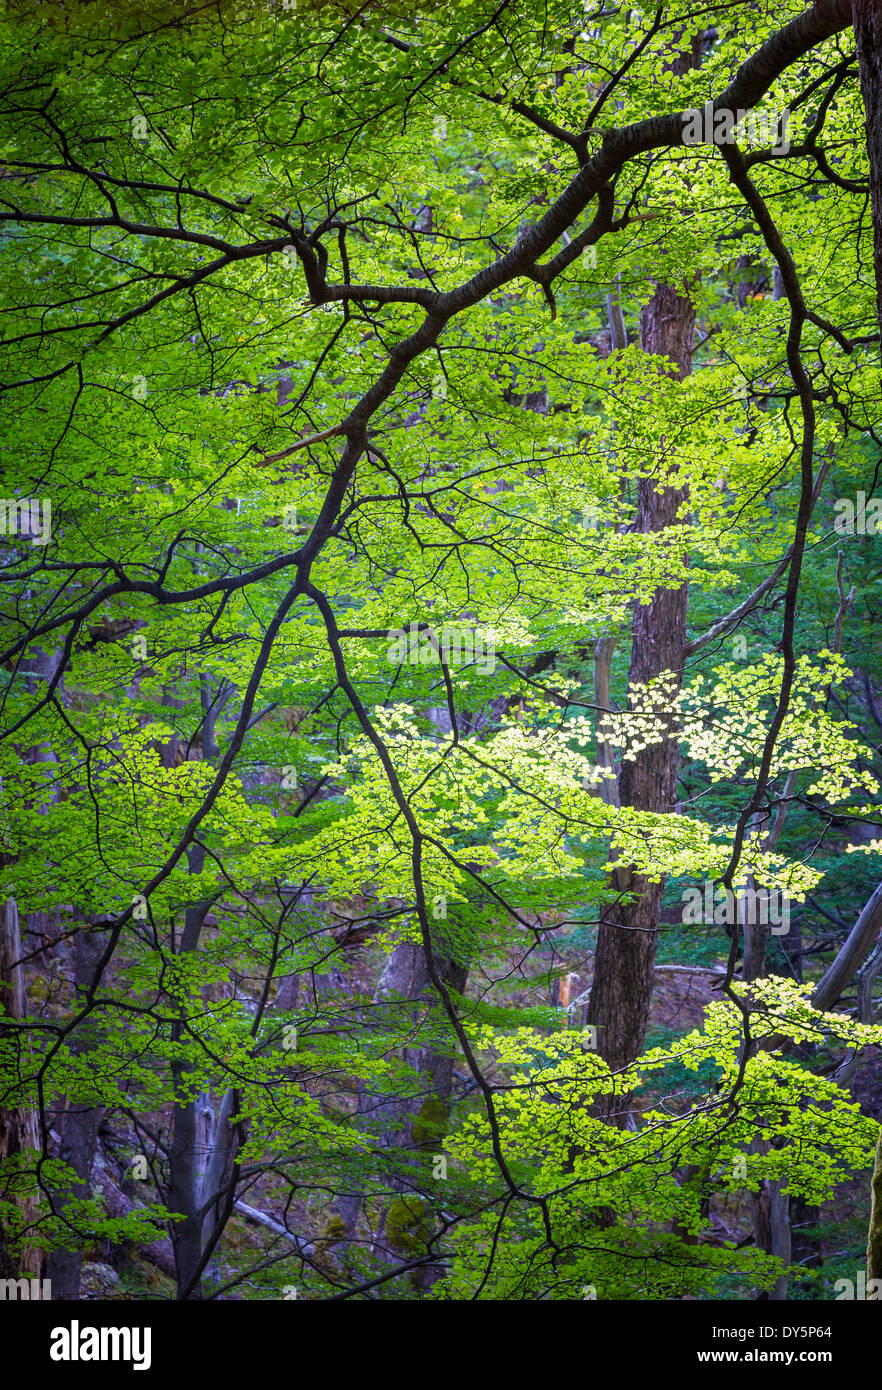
column 284, row 288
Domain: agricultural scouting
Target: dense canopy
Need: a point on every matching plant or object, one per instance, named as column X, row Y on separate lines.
column 440, row 784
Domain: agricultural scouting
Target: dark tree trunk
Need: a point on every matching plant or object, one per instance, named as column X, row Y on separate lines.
column 201, row 1151
column 874, row 1237
column 184, row 1184
column 754, row 932
column 805, row 1247
column 868, row 38
column 771, row 1228
column 77, row 1125
column 18, row 1120
column 628, row 935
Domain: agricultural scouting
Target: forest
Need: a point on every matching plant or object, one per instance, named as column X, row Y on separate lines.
column 440, row 655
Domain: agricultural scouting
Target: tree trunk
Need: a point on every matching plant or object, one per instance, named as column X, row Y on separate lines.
column 771, row 1225
column 18, row 1121
column 770, row 1206
column 868, row 38
column 201, row 1151
column 77, row 1125
column 603, row 655
column 628, row 934
column 874, row 1238
column 184, row 1188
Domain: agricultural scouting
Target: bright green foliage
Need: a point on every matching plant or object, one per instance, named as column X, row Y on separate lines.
column 627, row 1211
column 218, row 230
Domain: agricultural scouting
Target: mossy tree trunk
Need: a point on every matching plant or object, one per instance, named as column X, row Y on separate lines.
column 874, row 1238
column 18, row 1120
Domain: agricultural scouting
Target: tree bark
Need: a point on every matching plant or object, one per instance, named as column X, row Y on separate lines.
column 772, row 1232
column 77, row 1126
column 851, row 954
column 184, row 1184
column 628, row 935
column 874, row 1238
column 18, row 1121
column 603, row 655
column 868, row 39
